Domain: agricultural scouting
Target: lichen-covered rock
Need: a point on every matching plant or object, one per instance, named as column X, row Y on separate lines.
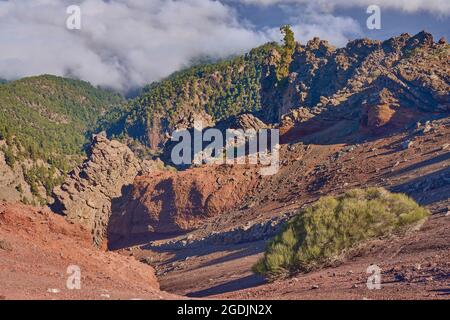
column 86, row 195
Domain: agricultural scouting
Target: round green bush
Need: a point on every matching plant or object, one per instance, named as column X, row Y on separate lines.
column 321, row 232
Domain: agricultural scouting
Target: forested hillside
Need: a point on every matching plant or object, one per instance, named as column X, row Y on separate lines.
column 44, row 123
column 47, row 120
column 213, row 91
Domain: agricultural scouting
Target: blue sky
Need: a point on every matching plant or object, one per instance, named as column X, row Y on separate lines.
column 395, row 20
column 126, row 44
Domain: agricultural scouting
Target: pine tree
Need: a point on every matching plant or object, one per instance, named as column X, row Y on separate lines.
column 287, row 52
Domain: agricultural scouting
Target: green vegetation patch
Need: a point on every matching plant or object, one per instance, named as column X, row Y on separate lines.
column 48, row 116
column 48, row 120
column 323, row 231
column 221, row 89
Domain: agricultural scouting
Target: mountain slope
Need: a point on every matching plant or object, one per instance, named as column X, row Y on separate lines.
column 210, row 92
column 44, row 122
column 368, row 81
column 375, row 86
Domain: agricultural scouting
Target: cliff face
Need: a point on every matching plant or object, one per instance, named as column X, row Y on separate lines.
column 378, row 84
column 85, row 196
column 166, row 202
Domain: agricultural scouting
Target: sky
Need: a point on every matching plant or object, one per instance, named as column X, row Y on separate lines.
column 126, row 44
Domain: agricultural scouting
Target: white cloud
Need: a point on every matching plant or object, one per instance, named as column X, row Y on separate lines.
column 129, row 43
column 434, row 6
column 309, row 21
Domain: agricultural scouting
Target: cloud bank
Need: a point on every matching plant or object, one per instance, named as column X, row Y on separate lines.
column 124, row 44
column 433, row 6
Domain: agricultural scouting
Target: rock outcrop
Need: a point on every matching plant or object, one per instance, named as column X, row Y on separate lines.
column 167, row 202
column 243, row 121
column 86, row 195
column 375, row 84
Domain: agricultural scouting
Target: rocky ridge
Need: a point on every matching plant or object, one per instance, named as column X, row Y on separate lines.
column 376, row 84
column 86, row 195
column 373, row 85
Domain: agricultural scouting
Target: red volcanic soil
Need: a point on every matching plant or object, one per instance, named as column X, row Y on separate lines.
column 36, row 248
column 414, row 266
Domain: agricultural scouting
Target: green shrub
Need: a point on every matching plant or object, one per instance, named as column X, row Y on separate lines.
column 323, row 231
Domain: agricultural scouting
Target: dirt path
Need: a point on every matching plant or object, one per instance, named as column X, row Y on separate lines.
column 206, row 271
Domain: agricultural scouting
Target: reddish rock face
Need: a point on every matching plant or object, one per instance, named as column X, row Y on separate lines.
column 37, row 246
column 379, row 115
column 165, row 202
